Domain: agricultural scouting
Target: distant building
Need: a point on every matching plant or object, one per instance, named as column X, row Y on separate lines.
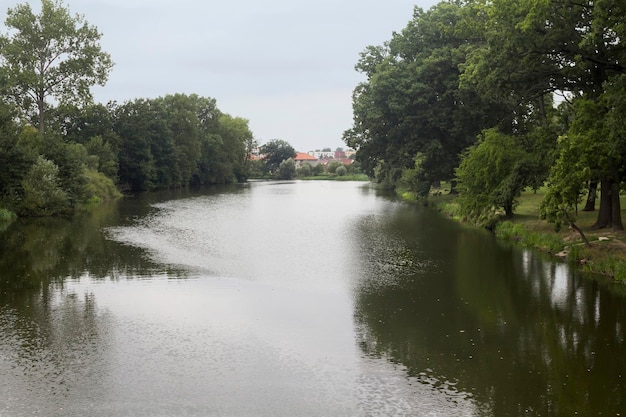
column 304, row 158
column 322, row 154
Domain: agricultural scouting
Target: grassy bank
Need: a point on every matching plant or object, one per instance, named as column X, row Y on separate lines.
column 605, row 255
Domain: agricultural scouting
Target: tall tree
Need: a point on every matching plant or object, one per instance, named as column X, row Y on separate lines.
column 238, row 143
column 276, row 151
column 51, row 55
column 413, row 105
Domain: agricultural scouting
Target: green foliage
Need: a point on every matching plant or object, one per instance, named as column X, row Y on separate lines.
column 105, row 160
column 6, row 216
column 304, row 171
column 53, row 54
column 566, row 184
column 255, row 168
column 15, row 162
column 286, row 169
column 332, row 166
column 413, row 103
column 491, row 177
column 180, row 140
column 275, row 152
column 413, row 180
column 43, row 194
column 318, row 169
column 516, row 232
column 612, row 266
column 100, row 187
column 341, row 171
column 238, row 143
column 72, row 160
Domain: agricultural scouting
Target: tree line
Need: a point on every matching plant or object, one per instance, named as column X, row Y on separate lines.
column 60, row 150
column 496, row 96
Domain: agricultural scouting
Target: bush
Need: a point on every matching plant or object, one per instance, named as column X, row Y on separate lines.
column 304, row 171
column 332, row 167
column 42, row 193
column 287, row 169
column 100, row 187
column 318, row 169
column 341, row 171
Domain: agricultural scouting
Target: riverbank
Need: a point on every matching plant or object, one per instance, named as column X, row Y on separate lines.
column 606, row 253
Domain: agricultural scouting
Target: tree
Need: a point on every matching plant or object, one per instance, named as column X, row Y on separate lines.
column 51, row 55
column 572, row 46
column 566, row 185
column 274, row 152
column 413, row 102
column 238, row 143
column 16, row 158
column 287, row 169
column 331, row 168
column 492, row 176
column 595, row 147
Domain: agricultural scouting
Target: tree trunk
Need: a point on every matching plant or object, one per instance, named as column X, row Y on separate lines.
column 616, row 209
column 580, row 232
column 591, row 196
column 453, row 189
column 606, row 206
column 40, row 108
column 508, row 210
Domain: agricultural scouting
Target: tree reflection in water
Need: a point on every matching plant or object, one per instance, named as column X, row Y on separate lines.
column 461, row 311
column 51, row 338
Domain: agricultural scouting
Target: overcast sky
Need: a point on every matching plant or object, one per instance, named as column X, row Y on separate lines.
column 285, row 65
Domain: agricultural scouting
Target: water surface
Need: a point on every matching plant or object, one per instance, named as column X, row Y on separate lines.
column 297, row 298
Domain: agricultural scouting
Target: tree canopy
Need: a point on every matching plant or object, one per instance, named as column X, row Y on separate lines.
column 50, row 55
column 60, row 151
column 413, row 102
column 275, row 152
column 528, row 71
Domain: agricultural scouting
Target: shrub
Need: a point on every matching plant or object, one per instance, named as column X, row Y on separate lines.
column 318, row 169
column 304, row 171
column 42, row 192
column 100, row 187
column 287, row 169
column 332, row 167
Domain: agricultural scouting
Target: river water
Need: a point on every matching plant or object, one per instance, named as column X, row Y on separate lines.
column 296, row 299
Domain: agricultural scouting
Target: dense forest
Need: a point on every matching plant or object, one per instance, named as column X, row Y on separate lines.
column 498, row 96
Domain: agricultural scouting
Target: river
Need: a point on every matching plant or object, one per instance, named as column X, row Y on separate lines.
column 296, row 299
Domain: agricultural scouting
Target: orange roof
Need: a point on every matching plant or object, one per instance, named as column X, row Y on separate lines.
column 301, row 156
